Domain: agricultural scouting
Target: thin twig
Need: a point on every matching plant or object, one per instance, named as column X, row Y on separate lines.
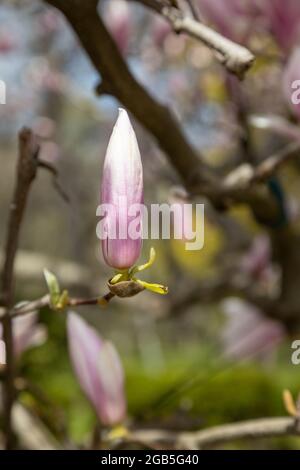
column 46, row 302
column 271, row 165
column 194, row 9
column 246, row 175
column 26, row 172
column 55, row 181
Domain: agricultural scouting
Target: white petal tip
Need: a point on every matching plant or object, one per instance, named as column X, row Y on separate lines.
column 123, row 116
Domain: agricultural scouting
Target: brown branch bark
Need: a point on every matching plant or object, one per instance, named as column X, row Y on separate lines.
column 26, row 171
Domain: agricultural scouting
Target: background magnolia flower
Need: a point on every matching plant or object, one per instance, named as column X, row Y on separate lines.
column 257, row 261
column 117, row 15
column 122, row 187
column 248, row 333
column 160, row 29
column 283, row 20
column 98, row 369
column 26, row 332
column 291, row 74
column 235, row 20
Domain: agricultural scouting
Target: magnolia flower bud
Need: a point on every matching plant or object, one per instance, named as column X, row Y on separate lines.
column 122, row 195
column 98, row 369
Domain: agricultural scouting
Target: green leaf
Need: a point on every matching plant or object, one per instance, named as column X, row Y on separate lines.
column 53, row 287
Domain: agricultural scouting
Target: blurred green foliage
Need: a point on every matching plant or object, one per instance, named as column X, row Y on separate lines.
column 193, row 389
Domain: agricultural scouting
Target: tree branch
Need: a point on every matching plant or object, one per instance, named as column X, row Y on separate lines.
column 55, row 179
column 214, row 290
column 26, row 172
column 117, row 79
column 197, row 177
column 272, row 164
column 237, row 59
column 46, row 302
column 218, row 435
column 246, row 175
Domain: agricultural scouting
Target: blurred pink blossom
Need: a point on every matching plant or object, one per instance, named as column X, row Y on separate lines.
column 160, row 29
column 117, row 15
column 248, row 333
column 233, row 18
column 98, row 369
column 282, row 17
column 41, row 75
column 256, row 262
column 7, row 42
column 26, row 333
column 49, row 21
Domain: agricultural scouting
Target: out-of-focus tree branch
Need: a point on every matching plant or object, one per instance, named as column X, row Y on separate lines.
column 214, row 290
column 55, row 179
column 246, row 175
column 45, row 301
column 26, row 172
column 218, row 435
column 237, row 59
column 196, row 175
column 117, row 80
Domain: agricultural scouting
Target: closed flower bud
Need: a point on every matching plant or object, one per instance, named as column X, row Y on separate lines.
column 122, row 195
column 98, row 369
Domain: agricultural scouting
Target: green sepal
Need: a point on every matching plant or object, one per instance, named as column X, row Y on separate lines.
column 58, row 300
column 142, row 267
column 157, row 288
column 62, row 301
